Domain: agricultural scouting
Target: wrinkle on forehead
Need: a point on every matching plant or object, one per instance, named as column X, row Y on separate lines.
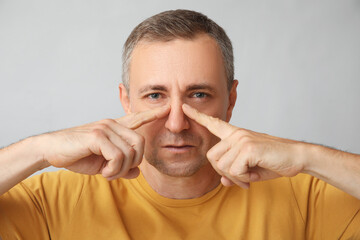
column 179, row 63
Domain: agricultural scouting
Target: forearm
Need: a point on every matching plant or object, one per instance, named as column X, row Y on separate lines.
column 338, row 168
column 18, row 161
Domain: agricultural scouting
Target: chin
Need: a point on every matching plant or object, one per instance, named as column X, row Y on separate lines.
column 178, row 168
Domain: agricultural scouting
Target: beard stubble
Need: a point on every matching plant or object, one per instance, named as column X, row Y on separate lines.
column 178, row 164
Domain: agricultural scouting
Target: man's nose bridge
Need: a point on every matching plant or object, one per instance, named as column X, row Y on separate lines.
column 176, row 112
column 177, row 120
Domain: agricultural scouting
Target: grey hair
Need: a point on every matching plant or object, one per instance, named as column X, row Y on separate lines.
column 174, row 24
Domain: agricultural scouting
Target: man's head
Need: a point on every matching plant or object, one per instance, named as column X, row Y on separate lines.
column 173, row 58
column 178, row 24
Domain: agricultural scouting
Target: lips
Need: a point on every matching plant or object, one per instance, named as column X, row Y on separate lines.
column 177, row 146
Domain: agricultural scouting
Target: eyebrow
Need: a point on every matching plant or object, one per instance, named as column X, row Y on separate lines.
column 152, row 88
column 192, row 87
column 202, row 86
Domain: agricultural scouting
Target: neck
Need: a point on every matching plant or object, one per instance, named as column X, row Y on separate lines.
column 203, row 181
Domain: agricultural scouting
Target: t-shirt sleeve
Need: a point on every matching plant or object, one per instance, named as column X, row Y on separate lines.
column 329, row 213
column 33, row 207
column 353, row 229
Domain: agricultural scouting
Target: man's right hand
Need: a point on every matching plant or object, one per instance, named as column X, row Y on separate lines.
column 110, row 147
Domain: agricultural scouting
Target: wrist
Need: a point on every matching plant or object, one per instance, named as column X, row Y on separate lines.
column 18, row 161
column 313, row 157
column 34, row 149
column 307, row 152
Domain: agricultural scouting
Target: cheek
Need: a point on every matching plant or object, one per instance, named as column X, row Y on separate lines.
column 216, row 107
column 217, row 110
column 150, row 104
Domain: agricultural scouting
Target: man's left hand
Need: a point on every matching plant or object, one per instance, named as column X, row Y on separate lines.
column 244, row 156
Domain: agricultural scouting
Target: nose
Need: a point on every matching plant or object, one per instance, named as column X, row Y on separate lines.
column 177, row 121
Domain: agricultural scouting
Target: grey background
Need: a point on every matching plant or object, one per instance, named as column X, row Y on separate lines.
column 298, row 63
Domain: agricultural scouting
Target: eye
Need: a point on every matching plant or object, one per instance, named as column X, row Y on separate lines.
column 200, row 95
column 153, row 95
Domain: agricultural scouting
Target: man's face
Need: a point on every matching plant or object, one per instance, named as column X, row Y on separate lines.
column 176, row 72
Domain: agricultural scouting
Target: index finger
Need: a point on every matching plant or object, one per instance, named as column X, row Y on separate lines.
column 216, row 126
column 137, row 119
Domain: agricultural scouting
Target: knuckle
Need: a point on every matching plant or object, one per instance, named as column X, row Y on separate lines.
column 249, row 147
column 107, row 121
column 102, row 126
column 210, row 155
column 245, row 140
column 97, row 133
column 118, row 155
column 239, row 133
column 140, row 140
column 121, row 121
column 245, row 137
column 131, row 152
column 139, row 155
column 220, row 165
column 233, row 172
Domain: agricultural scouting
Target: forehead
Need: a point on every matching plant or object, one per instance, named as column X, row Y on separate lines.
column 181, row 61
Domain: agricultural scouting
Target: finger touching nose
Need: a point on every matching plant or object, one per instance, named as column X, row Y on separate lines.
column 216, row 126
column 137, row 119
column 177, row 121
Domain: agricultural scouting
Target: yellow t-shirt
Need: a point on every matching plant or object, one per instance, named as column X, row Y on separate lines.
column 66, row 205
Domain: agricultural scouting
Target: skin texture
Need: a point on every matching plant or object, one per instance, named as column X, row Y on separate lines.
column 177, row 72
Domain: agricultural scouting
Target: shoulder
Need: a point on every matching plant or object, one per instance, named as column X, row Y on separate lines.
column 317, row 194
column 328, row 210
column 56, row 179
column 316, row 190
column 62, row 183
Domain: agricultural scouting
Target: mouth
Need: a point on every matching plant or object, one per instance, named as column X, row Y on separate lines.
column 178, row 148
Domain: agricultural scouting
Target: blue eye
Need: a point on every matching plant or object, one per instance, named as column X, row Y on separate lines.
column 154, row 96
column 200, row 95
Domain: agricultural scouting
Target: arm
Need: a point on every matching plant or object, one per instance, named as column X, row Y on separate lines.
column 340, row 169
column 13, row 166
column 108, row 147
column 243, row 156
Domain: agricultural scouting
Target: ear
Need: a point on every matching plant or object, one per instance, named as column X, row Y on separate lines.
column 232, row 100
column 124, row 98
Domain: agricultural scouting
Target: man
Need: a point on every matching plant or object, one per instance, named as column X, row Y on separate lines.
column 178, row 92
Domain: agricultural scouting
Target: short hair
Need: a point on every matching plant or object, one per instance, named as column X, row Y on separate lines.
column 178, row 24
